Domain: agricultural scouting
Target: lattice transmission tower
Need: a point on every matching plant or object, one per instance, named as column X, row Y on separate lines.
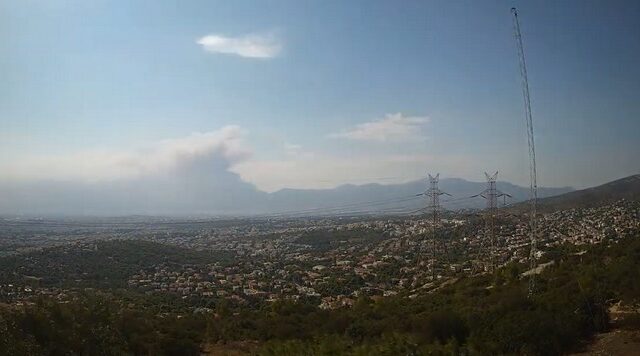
column 434, row 193
column 491, row 195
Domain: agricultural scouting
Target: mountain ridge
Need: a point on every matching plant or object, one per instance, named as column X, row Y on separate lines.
column 623, row 188
column 288, row 199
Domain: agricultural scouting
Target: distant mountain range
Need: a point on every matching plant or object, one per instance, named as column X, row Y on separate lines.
column 376, row 198
column 626, row 188
column 222, row 193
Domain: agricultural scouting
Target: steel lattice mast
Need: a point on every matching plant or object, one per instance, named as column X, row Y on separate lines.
column 532, row 149
column 434, row 194
column 491, row 194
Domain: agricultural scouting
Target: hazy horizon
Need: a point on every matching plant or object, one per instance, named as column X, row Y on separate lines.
column 112, row 106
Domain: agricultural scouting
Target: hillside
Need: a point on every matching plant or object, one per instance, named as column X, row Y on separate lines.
column 627, row 188
column 483, row 315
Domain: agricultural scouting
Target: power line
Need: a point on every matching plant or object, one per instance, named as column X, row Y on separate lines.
column 344, row 206
column 394, row 210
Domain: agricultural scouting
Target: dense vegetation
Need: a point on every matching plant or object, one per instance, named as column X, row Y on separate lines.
column 485, row 315
column 107, row 264
column 97, row 325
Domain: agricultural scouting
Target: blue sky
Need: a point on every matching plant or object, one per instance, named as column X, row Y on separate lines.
column 320, row 93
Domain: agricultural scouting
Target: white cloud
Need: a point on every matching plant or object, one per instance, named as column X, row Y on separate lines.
column 227, row 143
column 250, row 46
column 391, row 127
column 292, row 149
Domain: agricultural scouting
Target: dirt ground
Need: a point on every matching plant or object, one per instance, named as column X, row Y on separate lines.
column 238, row 348
column 618, row 342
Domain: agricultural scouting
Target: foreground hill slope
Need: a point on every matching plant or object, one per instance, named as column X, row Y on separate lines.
column 488, row 314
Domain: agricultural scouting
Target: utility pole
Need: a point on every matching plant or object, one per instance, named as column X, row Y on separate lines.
column 491, row 194
column 533, row 175
column 434, row 194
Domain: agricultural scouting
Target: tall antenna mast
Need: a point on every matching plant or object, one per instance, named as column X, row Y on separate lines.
column 533, row 198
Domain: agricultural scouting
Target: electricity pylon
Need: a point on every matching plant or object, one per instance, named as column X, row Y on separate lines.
column 434, row 194
column 491, row 194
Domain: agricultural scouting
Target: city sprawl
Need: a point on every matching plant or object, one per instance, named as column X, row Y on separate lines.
column 330, row 261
